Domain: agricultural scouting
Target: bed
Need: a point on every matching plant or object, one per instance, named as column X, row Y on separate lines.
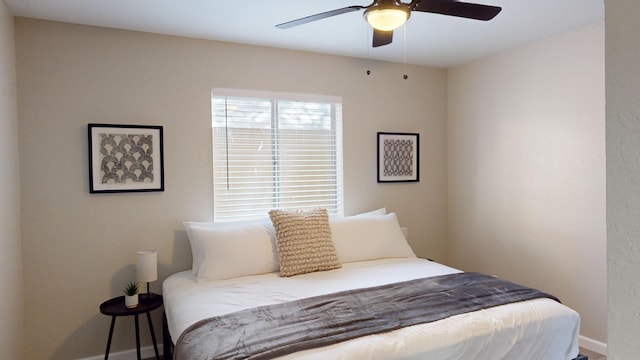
column 239, row 269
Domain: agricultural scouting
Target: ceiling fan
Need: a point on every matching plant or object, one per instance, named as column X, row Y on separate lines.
column 387, row 15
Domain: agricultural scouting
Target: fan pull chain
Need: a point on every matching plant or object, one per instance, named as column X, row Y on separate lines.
column 368, row 50
column 404, row 49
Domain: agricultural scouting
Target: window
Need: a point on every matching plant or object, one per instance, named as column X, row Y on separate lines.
column 275, row 151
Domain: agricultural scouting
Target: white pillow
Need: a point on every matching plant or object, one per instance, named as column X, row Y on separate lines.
column 198, row 255
column 360, row 238
column 381, row 211
column 226, row 250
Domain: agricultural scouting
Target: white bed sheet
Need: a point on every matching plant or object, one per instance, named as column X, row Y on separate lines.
column 537, row 329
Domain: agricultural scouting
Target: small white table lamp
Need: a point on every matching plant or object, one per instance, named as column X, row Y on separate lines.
column 147, row 268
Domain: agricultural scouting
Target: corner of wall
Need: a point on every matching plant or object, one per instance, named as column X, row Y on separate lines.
column 11, row 278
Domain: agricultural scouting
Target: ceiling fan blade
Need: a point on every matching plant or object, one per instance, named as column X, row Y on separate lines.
column 323, row 15
column 460, row 9
column 381, row 38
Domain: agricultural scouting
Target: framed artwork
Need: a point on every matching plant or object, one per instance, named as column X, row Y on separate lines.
column 125, row 158
column 398, row 157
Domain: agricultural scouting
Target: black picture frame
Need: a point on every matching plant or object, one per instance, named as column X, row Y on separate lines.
column 398, row 157
column 125, row 158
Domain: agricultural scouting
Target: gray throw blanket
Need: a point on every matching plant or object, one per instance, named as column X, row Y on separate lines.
column 270, row 331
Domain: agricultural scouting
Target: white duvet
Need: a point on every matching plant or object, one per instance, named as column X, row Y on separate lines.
column 537, row 329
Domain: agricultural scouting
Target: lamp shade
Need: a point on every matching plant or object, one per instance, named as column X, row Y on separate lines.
column 147, row 268
column 387, row 19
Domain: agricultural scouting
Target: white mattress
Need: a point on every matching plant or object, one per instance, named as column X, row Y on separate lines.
column 536, row 329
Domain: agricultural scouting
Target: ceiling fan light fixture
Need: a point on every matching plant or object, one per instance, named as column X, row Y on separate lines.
column 387, row 19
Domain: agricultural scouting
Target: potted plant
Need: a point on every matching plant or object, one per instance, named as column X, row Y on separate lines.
column 131, row 295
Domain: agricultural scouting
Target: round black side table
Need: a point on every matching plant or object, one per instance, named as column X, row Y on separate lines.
column 115, row 307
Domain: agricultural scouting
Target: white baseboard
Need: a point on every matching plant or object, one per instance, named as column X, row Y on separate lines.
column 145, row 352
column 593, row 345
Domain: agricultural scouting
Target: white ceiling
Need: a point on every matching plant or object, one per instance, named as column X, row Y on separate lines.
column 431, row 39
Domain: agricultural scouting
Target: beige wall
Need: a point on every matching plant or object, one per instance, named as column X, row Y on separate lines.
column 623, row 176
column 526, row 158
column 80, row 248
column 526, row 162
column 11, row 289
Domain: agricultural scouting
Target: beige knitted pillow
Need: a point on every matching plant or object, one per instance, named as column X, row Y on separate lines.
column 303, row 241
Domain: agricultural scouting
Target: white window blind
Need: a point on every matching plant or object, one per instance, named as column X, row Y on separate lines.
column 275, row 151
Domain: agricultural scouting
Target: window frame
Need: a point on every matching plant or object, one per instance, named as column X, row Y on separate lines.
column 337, row 192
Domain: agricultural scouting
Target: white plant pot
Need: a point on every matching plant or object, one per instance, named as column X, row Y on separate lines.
column 131, row 301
